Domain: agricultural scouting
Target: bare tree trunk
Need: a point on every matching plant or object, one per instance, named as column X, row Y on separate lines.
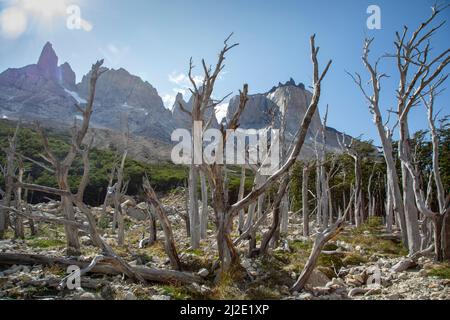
column 358, row 191
column 319, row 219
column 186, row 217
column 73, row 243
column 427, row 233
column 165, row 224
column 19, row 231
column 152, row 228
column 110, row 192
column 193, row 207
column 9, row 177
column 28, row 209
column 305, row 201
column 446, row 234
column 204, row 216
column 276, row 216
column 389, row 210
column 118, row 209
column 411, row 213
column 385, row 137
column 285, row 213
column 240, row 197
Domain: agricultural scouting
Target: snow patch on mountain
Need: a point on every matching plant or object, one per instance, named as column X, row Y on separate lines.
column 75, row 95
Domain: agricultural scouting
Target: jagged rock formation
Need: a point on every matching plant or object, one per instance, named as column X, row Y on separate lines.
column 36, row 91
column 120, row 96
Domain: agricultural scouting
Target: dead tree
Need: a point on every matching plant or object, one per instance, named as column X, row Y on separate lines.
column 322, row 189
column 284, row 205
column 106, row 266
column 202, row 101
column 276, row 212
column 120, row 264
column 62, row 167
column 8, row 173
column 321, row 240
column 110, row 188
column 305, row 201
column 384, row 133
column 389, row 209
column 240, row 197
column 417, row 70
column 352, row 150
column 86, row 169
column 19, row 231
column 371, row 197
column 118, row 193
column 224, row 212
column 440, row 219
column 205, row 213
column 169, row 240
column 194, row 214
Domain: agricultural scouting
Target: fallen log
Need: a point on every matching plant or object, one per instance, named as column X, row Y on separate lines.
column 404, row 265
column 102, row 267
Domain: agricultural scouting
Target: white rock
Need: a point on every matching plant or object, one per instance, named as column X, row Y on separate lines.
column 305, row 296
column 88, row 296
column 203, row 273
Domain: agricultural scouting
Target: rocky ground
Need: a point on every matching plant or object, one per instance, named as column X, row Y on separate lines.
column 359, row 264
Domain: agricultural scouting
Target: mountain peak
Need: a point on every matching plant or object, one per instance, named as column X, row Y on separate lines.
column 48, row 62
column 68, row 77
column 291, row 82
column 179, row 97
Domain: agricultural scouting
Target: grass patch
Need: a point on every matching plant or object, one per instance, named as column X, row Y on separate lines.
column 46, row 243
column 373, row 226
column 195, row 252
column 227, row 289
column 300, row 245
column 441, row 271
column 177, row 293
column 103, row 222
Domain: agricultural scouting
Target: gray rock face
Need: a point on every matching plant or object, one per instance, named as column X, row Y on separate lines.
column 289, row 98
column 48, row 62
column 33, row 93
column 121, row 96
column 68, row 77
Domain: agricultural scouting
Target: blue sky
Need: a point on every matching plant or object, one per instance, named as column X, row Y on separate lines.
column 155, row 38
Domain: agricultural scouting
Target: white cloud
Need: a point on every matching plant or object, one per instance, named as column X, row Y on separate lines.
column 13, row 22
column 183, row 84
column 183, row 80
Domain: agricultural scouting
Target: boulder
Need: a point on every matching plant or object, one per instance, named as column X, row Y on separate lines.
column 317, row 279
